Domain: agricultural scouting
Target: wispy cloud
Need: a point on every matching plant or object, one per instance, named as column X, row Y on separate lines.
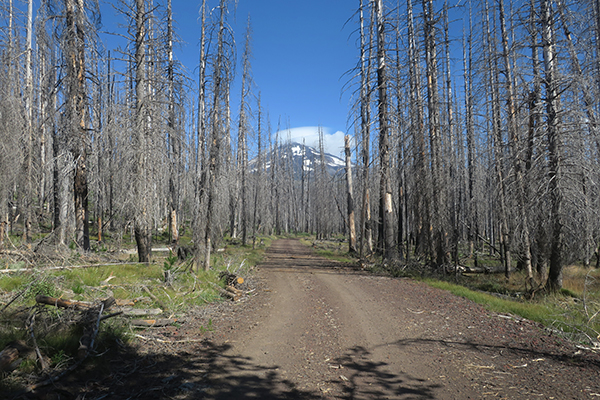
column 333, row 142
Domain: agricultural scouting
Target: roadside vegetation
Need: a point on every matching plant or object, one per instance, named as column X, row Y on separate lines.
column 49, row 338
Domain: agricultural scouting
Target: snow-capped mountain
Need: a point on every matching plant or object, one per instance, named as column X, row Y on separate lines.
column 295, row 154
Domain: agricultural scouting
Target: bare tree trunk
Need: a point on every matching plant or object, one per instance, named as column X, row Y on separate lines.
column 174, row 137
column 219, row 92
column 76, row 117
column 143, row 233
column 242, row 136
column 401, row 173
column 28, row 193
column 454, row 186
column 438, row 206
column 351, row 223
column 365, row 67
column 421, row 209
column 554, row 145
column 505, row 237
column 385, row 189
column 513, row 137
column 258, row 176
column 472, row 217
column 201, row 171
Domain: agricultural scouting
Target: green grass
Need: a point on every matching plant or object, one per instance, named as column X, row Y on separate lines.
column 531, row 310
column 563, row 311
column 125, row 281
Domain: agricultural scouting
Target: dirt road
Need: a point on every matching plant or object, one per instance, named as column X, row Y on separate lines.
column 325, row 331
column 314, row 329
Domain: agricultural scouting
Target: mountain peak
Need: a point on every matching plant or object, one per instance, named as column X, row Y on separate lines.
column 297, row 152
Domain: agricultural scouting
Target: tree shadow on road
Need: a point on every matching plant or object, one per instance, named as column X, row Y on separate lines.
column 364, row 378
column 204, row 371
column 518, row 350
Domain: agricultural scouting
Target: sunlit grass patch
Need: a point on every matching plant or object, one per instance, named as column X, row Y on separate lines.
column 534, row 311
column 581, row 280
column 569, row 314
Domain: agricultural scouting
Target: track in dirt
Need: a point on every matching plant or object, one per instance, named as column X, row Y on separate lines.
column 315, row 329
column 330, row 332
column 325, row 331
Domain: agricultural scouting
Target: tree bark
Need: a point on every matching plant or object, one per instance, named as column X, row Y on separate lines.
column 28, row 192
column 143, row 234
column 554, row 145
column 76, row 108
column 389, row 250
column 513, row 137
column 350, row 197
column 365, row 68
column 438, row 199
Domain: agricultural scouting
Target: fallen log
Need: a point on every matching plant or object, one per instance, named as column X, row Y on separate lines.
column 11, row 353
column 7, row 357
column 483, row 270
column 77, row 305
column 234, row 290
column 231, row 279
column 153, row 323
column 53, row 301
column 140, row 312
column 226, row 293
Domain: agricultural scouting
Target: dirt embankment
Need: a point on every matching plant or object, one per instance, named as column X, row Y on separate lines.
column 316, row 329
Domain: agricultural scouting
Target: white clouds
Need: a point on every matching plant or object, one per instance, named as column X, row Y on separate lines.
column 333, row 142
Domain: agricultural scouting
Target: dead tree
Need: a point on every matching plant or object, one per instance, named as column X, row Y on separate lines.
column 350, row 196
column 143, row 233
column 421, row 203
column 174, row 135
column 388, row 249
column 438, row 213
column 219, row 115
column 76, row 114
column 553, row 134
column 365, row 99
column 28, row 165
column 242, row 161
column 513, row 137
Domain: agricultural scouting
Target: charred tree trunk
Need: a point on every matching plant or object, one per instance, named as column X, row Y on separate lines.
column 513, row 137
column 554, row 145
column 76, row 109
column 438, row 206
column 389, row 250
column 365, row 67
column 143, row 233
column 28, row 192
column 350, row 196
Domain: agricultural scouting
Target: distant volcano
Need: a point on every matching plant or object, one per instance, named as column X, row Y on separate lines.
column 294, row 153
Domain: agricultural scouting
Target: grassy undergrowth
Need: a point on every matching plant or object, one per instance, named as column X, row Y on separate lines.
column 58, row 331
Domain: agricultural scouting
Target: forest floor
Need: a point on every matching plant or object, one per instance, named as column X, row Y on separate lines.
column 313, row 328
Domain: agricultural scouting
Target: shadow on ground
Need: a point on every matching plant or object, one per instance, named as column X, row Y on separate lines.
column 206, row 372
column 369, row 379
column 518, row 350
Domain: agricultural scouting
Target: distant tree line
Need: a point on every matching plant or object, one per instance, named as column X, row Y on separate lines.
column 475, row 128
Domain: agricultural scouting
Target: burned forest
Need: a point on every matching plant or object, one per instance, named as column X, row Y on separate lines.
column 472, row 129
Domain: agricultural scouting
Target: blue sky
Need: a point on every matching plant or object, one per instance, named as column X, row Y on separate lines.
column 301, row 52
